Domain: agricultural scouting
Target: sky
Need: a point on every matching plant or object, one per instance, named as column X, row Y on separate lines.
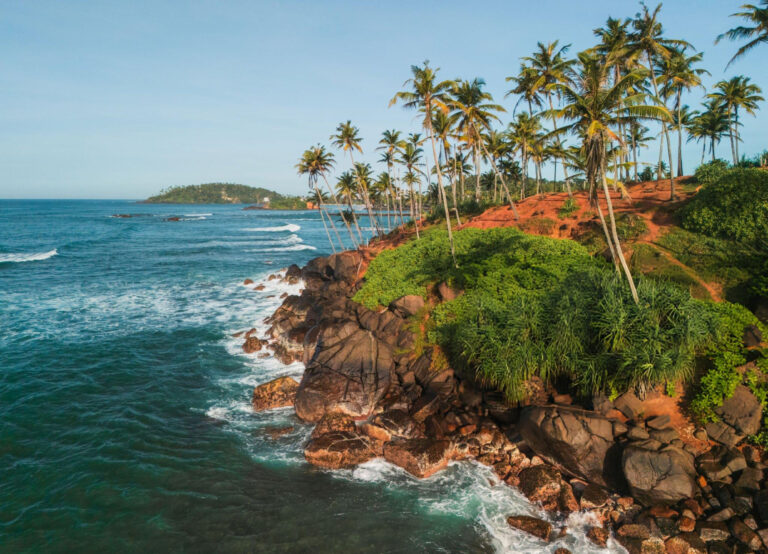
column 122, row 99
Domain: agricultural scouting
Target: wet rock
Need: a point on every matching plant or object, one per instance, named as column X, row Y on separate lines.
column 252, row 345
column 334, row 422
column 259, row 287
column 419, row 457
column 598, row 536
column 275, row 394
column 593, row 497
column 579, row 442
column 663, row 476
column 292, row 274
column 248, row 282
column 531, row 525
column 407, row 306
column 392, row 424
column 350, row 371
column 339, row 449
column 544, row 485
column 276, row 432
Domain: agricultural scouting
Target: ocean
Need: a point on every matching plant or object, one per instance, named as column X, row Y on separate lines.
column 125, row 419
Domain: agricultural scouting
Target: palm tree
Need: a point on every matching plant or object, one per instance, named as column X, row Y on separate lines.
column 410, row 157
column 382, row 187
column 346, row 186
column 311, row 166
column 678, row 74
column 714, row 123
column 443, row 129
column 364, row 178
column 347, row 139
column 428, row 95
column 547, row 66
column 737, row 93
column 390, row 142
column 409, row 179
column 639, row 138
column 758, row 17
column 647, row 39
column 696, row 131
column 595, row 106
column 474, row 114
column 523, row 131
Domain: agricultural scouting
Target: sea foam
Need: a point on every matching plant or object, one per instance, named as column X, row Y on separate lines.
column 289, row 227
column 18, row 257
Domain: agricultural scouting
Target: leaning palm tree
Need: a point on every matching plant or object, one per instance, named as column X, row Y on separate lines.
column 648, row 40
column 346, row 186
column 443, row 129
column 678, row 73
column 364, row 178
column 390, row 142
column 347, row 138
column 428, row 95
column 308, row 166
column 733, row 94
column 474, row 113
column 523, row 131
column 410, row 178
column 595, row 106
column 757, row 16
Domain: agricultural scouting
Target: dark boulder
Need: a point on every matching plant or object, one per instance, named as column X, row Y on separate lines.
column 544, row 485
column 579, row 442
column 407, row 306
column 419, row 457
column 275, row 394
column 663, row 476
column 350, row 372
column 339, row 449
column 742, row 411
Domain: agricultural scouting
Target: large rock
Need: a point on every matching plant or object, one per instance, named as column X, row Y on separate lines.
column 392, row 424
column 544, row 485
column 350, row 372
column 742, row 411
column 579, row 442
column 663, row 476
column 275, row 394
column 339, row 449
column 407, row 306
column 420, row 457
column 531, row 525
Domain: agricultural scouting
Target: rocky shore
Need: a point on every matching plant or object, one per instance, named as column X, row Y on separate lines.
column 373, row 391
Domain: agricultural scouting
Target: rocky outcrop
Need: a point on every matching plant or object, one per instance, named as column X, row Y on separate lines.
column 419, row 457
column 275, row 394
column 577, row 441
column 532, row 525
column 339, row 449
column 658, row 476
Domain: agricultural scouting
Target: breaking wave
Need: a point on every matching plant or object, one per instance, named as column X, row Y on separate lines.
column 19, row 257
column 289, row 227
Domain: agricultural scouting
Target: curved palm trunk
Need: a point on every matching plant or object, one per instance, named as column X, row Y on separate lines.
column 413, row 218
column 354, row 217
column 442, row 194
column 341, row 213
column 503, row 184
column 364, row 195
column 616, row 242
column 330, row 220
column 679, row 134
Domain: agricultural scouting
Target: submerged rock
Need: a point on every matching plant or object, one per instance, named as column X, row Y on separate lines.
column 275, row 394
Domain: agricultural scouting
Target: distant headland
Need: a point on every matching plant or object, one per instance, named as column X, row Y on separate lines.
column 227, row 193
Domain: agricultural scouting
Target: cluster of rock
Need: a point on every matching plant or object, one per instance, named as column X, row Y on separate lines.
column 371, row 393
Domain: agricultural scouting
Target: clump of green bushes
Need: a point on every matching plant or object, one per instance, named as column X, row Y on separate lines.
column 710, row 172
column 537, row 306
column 735, row 206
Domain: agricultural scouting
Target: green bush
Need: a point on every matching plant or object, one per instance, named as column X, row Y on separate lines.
column 568, row 208
column 734, row 207
column 539, row 306
column 710, row 172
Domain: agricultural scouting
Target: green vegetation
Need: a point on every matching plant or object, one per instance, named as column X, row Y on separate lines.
column 569, row 207
column 733, row 207
column 536, row 306
column 708, row 173
column 225, row 193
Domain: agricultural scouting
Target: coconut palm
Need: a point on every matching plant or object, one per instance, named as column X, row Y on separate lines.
column 474, row 113
column 346, row 186
column 757, row 17
column 428, row 95
column 309, row 165
column 347, row 138
column 364, row 178
column 390, row 142
column 547, row 66
column 443, row 129
column 410, row 157
column 595, row 106
column 736, row 93
column 678, row 73
column 523, row 132
column 713, row 123
column 410, row 178
column 647, row 39
column 638, row 137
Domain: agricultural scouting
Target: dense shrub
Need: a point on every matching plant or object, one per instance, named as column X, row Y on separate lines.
column 710, row 172
column 569, row 207
column 734, row 207
column 540, row 306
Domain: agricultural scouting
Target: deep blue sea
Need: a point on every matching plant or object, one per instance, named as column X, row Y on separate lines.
column 125, row 420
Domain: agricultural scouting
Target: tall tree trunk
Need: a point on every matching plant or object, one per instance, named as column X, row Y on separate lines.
column 325, row 226
column 477, row 173
column 364, row 195
column 341, row 213
column 442, row 194
column 330, row 220
column 663, row 130
column 679, row 134
column 736, row 133
column 616, row 242
column 503, row 184
column 634, row 150
column 354, row 217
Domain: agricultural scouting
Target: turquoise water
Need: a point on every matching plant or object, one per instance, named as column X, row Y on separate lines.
column 124, row 400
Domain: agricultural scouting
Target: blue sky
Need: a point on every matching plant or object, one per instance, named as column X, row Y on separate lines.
column 121, row 99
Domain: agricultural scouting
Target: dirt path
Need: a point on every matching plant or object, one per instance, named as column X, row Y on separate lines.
column 713, row 291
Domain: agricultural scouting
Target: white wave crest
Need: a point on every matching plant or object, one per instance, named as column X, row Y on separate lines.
column 18, row 257
column 289, row 227
column 196, row 215
column 294, row 248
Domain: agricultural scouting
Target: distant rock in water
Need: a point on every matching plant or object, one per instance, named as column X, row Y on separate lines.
column 227, row 193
